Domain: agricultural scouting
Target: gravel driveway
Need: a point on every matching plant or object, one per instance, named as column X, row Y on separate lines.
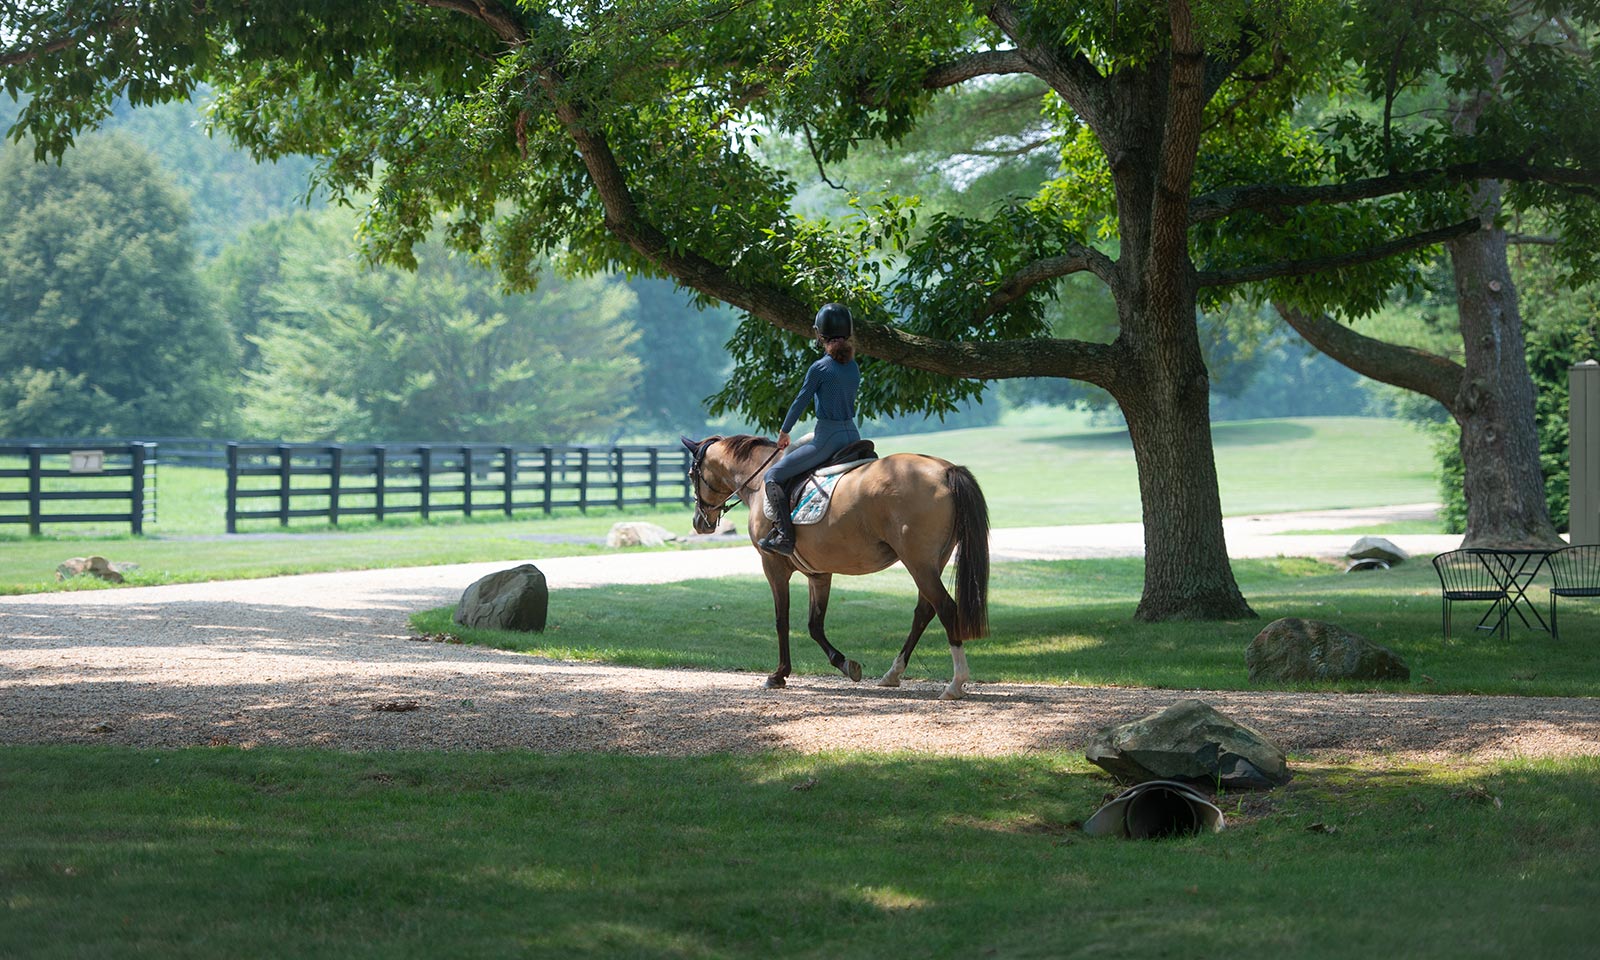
column 327, row 660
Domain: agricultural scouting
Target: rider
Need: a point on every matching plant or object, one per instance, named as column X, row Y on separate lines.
column 833, row 381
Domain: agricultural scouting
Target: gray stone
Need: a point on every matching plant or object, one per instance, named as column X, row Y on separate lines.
column 1377, row 548
column 638, row 534
column 514, row 599
column 1292, row 650
column 1192, row 743
column 98, row 567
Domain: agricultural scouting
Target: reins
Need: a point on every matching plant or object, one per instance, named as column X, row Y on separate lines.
column 733, row 495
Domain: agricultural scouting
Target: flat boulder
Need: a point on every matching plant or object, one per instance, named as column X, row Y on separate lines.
column 514, row 599
column 1189, row 742
column 1376, row 548
column 1292, row 650
column 98, row 567
column 638, row 534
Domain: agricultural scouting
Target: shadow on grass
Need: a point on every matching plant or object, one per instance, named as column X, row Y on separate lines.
column 779, row 855
column 1248, row 434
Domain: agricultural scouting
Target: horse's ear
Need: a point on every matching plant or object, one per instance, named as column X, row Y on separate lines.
column 692, row 445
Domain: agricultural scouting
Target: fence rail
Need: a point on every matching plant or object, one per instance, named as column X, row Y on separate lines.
column 115, row 481
column 336, row 481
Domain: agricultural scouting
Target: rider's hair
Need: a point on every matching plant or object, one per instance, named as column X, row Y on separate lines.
column 839, row 348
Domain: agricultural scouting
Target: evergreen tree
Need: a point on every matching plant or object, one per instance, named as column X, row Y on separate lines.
column 348, row 351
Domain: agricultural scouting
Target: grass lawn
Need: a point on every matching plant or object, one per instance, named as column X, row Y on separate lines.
column 1066, row 621
column 29, row 565
column 1048, row 469
column 307, row 854
column 1045, row 473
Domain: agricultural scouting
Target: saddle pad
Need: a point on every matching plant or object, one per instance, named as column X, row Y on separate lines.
column 813, row 497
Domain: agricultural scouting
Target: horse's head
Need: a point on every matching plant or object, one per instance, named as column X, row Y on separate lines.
column 709, row 503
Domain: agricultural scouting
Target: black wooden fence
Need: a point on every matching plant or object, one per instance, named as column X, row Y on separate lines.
column 336, row 481
column 109, row 482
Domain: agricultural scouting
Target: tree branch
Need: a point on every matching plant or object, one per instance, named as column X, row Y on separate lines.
column 1072, row 76
column 1017, row 151
column 1092, row 362
column 495, row 16
column 1294, row 268
column 1406, row 367
column 1014, row 287
column 987, row 63
column 121, row 20
column 1270, row 196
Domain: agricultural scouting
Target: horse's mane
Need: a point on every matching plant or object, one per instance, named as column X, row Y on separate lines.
column 743, row 445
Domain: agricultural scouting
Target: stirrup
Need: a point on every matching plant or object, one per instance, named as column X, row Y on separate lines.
column 776, row 542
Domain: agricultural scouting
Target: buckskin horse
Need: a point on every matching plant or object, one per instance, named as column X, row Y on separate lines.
column 907, row 507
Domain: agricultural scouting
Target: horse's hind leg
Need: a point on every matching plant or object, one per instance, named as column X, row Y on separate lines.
column 933, row 593
column 821, row 586
column 919, row 622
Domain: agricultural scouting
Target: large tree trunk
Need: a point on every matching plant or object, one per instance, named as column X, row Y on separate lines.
column 1503, row 482
column 1167, row 406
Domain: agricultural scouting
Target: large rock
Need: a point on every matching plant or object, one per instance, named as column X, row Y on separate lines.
column 1377, row 548
column 1192, row 743
column 638, row 534
column 1292, row 649
column 515, row 599
column 98, row 567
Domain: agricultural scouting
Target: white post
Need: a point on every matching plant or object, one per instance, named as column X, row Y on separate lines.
column 1583, row 419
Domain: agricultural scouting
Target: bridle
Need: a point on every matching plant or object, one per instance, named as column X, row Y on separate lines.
column 704, row 508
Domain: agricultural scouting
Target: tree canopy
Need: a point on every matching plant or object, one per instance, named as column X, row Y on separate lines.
column 624, row 134
column 103, row 328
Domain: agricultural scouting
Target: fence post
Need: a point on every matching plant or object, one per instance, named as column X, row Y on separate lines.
column 380, row 477
column 466, row 481
column 336, row 470
column 427, row 479
column 508, row 475
column 549, row 480
column 583, row 479
column 232, row 515
column 655, row 473
column 620, row 460
column 136, row 493
column 35, row 480
column 285, row 478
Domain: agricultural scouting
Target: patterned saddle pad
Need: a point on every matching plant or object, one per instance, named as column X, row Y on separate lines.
column 811, row 499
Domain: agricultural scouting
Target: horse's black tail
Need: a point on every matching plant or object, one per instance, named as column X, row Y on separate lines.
column 972, row 561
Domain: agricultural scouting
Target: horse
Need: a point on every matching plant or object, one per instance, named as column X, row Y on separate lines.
column 908, row 507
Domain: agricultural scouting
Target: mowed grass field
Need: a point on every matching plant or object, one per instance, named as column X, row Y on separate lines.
column 219, row 851
column 1047, row 468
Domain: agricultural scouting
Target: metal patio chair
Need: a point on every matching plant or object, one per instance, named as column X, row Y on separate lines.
column 1575, row 573
column 1467, row 577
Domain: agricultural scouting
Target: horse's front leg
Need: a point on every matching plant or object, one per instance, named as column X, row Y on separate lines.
column 778, row 574
column 821, row 586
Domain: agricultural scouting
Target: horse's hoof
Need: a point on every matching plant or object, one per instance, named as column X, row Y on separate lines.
column 774, row 683
column 852, row 670
column 889, row 680
column 952, row 693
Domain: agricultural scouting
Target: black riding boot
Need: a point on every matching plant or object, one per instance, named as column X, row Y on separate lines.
column 781, row 539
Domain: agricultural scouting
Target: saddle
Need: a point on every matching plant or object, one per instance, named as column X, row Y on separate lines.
column 810, row 493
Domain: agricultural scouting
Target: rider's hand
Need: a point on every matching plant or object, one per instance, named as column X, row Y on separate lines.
column 783, row 440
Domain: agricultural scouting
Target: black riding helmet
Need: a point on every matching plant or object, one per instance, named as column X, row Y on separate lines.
column 833, row 320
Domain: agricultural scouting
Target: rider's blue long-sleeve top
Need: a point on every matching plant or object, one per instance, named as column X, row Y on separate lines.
column 833, row 385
